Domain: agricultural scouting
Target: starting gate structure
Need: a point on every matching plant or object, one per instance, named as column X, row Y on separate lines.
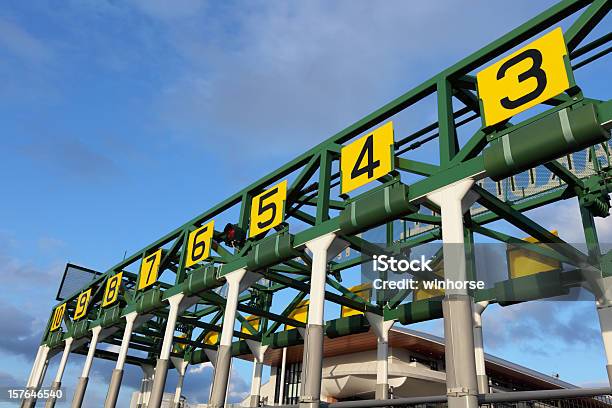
column 180, row 299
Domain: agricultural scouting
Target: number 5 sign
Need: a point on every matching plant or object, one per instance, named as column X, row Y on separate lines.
column 268, row 209
column 531, row 75
column 367, row 158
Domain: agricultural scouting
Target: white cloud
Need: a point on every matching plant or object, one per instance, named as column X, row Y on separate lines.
column 200, row 367
column 564, row 216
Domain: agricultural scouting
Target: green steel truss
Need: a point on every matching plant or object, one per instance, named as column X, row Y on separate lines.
column 313, row 203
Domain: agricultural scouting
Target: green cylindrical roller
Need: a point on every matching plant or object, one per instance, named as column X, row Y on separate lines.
column 553, row 136
column 80, row 328
column 150, row 300
column 347, row 325
column 272, row 250
column 201, row 279
column 420, row 311
column 286, row 338
column 375, row 208
column 110, row 316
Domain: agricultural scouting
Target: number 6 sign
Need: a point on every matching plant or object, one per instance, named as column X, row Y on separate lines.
column 531, row 75
column 198, row 244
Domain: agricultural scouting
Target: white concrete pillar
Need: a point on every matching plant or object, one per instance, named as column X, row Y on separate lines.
column 605, row 322
column 281, row 395
column 481, row 373
column 148, row 372
column 462, row 387
column 181, row 368
column 79, row 393
column 224, row 351
column 258, row 351
column 381, row 328
column 37, row 375
column 310, row 392
column 117, row 376
column 161, row 368
column 57, row 382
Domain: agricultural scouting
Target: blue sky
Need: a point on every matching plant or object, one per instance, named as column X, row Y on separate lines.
column 123, row 119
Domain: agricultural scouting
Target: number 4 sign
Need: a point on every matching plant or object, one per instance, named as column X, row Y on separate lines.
column 533, row 74
column 367, row 158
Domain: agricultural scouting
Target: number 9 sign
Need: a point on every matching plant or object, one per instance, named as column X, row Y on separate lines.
column 81, row 306
column 268, row 209
column 531, row 75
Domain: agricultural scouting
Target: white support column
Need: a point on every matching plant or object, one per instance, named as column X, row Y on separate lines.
column 461, row 384
column 148, row 372
column 310, row 392
column 57, row 382
column 161, row 368
column 224, row 352
column 381, row 329
column 117, row 376
column 181, row 368
column 281, row 395
column 603, row 289
column 259, row 352
column 35, row 364
column 79, row 393
column 481, row 373
column 38, row 374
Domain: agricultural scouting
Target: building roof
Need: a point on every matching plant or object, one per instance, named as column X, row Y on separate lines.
column 419, row 342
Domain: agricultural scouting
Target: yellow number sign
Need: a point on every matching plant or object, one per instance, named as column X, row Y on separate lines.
column 198, row 244
column 367, row 158
column 111, row 292
column 268, row 209
column 82, row 302
column 58, row 316
column 529, row 76
column 149, row 268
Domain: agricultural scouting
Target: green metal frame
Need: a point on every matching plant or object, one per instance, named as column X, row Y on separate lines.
column 313, row 201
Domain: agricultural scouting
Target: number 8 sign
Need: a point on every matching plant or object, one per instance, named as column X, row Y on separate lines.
column 111, row 291
column 531, row 75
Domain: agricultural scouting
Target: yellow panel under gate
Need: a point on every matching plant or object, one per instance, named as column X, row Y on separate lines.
column 211, row 338
column 253, row 321
column 364, row 291
column 523, row 262
column 422, row 293
column 300, row 313
column 179, row 347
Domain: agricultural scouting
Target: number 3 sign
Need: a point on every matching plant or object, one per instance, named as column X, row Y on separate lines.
column 531, row 75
